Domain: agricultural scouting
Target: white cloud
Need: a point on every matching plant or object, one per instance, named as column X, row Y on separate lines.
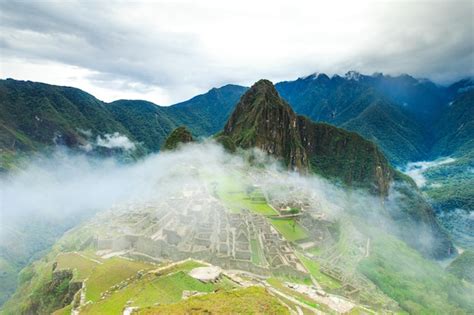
column 166, row 51
column 416, row 169
column 115, row 141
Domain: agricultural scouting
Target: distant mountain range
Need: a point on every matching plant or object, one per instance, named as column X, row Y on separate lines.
column 354, row 129
column 409, row 119
column 35, row 114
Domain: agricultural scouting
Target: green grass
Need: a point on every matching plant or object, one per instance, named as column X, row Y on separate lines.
column 288, row 278
column 289, row 228
column 81, row 266
column 64, row 311
column 313, row 267
column 419, row 285
column 112, row 272
column 314, row 251
column 232, row 193
column 252, row 300
column 184, row 266
column 164, row 287
column 257, row 253
column 149, row 291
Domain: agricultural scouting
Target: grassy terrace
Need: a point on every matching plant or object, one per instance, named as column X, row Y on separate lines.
column 81, row 265
column 325, row 281
column 112, row 272
column 289, row 228
column 233, row 195
column 258, row 257
column 252, row 300
column 151, row 289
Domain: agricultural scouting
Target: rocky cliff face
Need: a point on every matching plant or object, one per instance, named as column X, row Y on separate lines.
column 263, row 120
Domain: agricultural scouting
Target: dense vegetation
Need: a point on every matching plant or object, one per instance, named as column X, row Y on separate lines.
column 463, row 266
column 261, row 119
column 408, row 119
column 179, row 136
column 36, row 115
column 419, row 285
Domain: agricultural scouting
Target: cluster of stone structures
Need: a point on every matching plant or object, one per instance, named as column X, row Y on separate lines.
column 196, row 225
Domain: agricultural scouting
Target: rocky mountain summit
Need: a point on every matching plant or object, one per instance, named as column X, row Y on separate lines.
column 264, row 120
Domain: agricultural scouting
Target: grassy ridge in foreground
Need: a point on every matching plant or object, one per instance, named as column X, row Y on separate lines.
column 252, row 300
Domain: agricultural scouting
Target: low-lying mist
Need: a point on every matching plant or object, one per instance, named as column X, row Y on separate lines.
column 416, row 169
column 69, row 185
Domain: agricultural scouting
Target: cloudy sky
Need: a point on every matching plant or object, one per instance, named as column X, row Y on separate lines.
column 168, row 51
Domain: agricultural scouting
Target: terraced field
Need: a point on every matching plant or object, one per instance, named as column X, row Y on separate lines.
column 314, row 268
column 252, row 300
column 289, row 228
column 234, row 196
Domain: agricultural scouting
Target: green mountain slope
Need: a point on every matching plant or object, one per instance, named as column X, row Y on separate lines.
column 389, row 111
column 207, row 113
column 463, row 266
column 397, row 134
column 203, row 114
column 455, row 128
column 263, row 120
column 36, row 114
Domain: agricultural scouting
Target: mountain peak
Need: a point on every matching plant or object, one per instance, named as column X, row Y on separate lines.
column 353, row 75
column 264, row 86
column 262, row 94
column 262, row 119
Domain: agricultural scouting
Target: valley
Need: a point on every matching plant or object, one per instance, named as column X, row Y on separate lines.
column 286, row 244
column 236, row 157
column 315, row 216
